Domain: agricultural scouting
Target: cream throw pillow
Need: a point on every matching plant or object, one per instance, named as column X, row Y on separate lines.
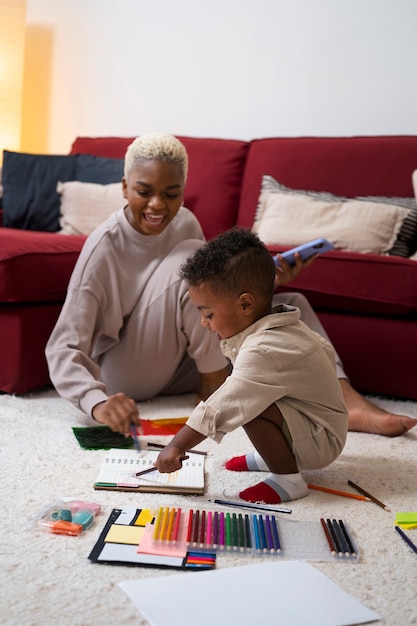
column 290, row 218
column 86, row 205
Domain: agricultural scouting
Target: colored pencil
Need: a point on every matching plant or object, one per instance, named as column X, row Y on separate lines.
column 247, row 531
column 196, row 523
column 176, row 529
column 160, row 446
column 336, row 541
column 262, row 533
column 368, row 495
column 157, row 523
column 170, row 527
column 256, row 533
column 341, row 538
column 146, row 471
column 202, row 528
column 347, row 537
column 270, row 540
column 209, row 533
column 255, row 507
column 406, row 538
column 221, row 531
column 190, row 526
column 164, row 524
column 328, row 536
column 275, row 534
column 228, row 531
column 336, row 492
column 215, row 529
column 154, row 469
column 134, row 434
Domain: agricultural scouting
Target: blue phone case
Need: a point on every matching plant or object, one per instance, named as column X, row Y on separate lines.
column 306, row 250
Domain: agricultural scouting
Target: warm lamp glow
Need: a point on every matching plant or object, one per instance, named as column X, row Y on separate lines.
column 12, row 43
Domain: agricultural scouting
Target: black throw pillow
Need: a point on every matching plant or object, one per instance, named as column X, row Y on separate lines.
column 30, row 197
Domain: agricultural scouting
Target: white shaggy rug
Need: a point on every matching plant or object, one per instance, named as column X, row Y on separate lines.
column 48, row 580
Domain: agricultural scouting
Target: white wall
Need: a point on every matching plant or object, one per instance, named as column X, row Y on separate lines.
column 228, row 68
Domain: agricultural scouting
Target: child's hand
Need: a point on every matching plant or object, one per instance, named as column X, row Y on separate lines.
column 170, row 459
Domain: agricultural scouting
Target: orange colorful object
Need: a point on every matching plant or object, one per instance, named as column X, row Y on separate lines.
column 167, row 426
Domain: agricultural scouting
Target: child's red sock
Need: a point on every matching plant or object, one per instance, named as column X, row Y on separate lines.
column 237, row 464
column 252, row 462
column 276, row 488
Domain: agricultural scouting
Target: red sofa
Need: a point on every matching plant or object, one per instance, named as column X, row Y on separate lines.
column 367, row 302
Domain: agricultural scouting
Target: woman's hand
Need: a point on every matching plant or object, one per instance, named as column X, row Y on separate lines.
column 286, row 273
column 119, row 412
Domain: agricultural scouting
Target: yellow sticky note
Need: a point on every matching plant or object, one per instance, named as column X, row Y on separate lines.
column 144, row 517
column 118, row 533
column 408, row 526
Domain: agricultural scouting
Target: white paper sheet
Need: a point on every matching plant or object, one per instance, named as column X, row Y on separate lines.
column 270, row 593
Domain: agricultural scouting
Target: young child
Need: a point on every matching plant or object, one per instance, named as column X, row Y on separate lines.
column 283, row 388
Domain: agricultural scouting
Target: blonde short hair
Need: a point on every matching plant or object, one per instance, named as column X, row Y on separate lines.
column 159, row 146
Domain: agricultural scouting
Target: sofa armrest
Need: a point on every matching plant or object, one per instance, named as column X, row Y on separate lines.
column 364, row 284
column 36, row 266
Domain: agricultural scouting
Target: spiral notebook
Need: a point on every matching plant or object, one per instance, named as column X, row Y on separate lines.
column 119, row 467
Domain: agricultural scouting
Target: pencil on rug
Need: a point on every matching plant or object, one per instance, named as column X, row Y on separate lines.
column 336, row 492
column 368, row 495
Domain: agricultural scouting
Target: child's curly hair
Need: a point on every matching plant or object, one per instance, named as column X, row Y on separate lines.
column 234, row 262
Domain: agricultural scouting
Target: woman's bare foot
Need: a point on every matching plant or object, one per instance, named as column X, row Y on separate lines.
column 366, row 417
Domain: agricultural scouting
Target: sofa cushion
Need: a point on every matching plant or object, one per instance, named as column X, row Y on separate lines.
column 99, row 170
column 86, row 205
column 30, row 198
column 345, row 166
column 369, row 225
column 214, row 180
column 36, row 267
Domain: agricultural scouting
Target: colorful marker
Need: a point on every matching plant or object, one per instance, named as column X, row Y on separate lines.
column 277, row 543
column 176, row 529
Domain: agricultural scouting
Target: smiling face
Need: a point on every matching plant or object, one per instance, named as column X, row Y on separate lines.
column 154, row 191
column 225, row 315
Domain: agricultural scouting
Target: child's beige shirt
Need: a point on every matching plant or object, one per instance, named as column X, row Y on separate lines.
column 279, row 359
